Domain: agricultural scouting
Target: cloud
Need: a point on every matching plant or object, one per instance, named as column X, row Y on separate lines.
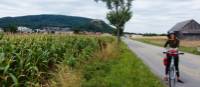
column 87, row 8
column 149, row 15
column 160, row 15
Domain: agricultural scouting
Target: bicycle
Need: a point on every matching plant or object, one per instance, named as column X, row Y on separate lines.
column 172, row 70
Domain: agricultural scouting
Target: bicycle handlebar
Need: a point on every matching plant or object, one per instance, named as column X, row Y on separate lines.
column 173, row 53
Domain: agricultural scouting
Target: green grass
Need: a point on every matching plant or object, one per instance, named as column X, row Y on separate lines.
column 192, row 50
column 127, row 70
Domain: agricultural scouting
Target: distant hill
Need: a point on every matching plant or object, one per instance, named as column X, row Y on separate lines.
column 73, row 22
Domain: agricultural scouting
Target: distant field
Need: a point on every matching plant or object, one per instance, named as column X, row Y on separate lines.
column 190, row 43
column 185, row 45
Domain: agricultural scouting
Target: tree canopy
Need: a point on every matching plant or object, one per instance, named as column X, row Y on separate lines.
column 120, row 13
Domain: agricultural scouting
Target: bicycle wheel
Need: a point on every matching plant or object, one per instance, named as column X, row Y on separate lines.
column 172, row 77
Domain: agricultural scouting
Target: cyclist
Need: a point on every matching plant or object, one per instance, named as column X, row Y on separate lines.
column 173, row 44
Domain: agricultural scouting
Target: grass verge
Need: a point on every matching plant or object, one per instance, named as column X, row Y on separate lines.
column 123, row 70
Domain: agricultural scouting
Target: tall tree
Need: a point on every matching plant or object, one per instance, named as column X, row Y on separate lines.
column 120, row 13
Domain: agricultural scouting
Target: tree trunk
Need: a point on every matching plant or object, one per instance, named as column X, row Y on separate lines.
column 118, row 35
column 118, row 27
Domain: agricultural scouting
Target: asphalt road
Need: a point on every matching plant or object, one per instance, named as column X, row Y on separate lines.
column 152, row 57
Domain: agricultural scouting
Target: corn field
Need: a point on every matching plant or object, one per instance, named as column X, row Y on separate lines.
column 28, row 60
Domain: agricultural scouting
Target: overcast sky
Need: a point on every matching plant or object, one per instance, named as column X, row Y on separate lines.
column 156, row 16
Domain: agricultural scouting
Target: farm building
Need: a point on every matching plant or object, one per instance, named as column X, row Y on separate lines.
column 24, row 29
column 189, row 30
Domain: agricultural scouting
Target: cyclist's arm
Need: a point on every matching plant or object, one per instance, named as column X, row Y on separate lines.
column 166, row 44
column 178, row 44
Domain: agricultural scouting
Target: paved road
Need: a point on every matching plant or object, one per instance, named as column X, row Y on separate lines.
column 152, row 56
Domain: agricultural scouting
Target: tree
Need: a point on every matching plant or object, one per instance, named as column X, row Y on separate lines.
column 120, row 13
column 11, row 28
column 76, row 31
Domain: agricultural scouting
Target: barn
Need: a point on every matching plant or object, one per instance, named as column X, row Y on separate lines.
column 189, row 30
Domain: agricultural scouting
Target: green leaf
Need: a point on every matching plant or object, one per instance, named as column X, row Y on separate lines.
column 2, row 57
column 14, row 79
column 6, row 69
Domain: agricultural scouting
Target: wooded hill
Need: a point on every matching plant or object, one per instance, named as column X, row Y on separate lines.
column 73, row 22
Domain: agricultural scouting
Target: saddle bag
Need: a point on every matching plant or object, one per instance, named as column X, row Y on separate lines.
column 165, row 61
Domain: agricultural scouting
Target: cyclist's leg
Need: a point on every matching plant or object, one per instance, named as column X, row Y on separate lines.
column 176, row 63
column 177, row 69
column 167, row 66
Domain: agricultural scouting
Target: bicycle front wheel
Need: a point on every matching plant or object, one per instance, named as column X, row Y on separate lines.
column 172, row 77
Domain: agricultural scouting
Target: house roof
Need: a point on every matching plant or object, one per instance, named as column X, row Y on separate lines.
column 181, row 25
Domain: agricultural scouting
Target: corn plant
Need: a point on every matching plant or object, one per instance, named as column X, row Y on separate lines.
column 28, row 60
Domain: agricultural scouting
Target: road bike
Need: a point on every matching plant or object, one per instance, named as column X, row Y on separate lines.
column 172, row 71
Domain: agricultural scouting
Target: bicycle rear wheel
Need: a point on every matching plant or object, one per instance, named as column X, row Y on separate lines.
column 172, row 77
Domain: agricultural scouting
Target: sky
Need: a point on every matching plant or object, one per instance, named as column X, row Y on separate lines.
column 149, row 16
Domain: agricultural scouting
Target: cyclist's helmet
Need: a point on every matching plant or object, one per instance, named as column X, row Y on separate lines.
column 170, row 33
